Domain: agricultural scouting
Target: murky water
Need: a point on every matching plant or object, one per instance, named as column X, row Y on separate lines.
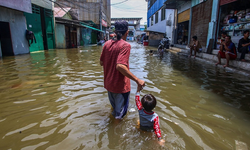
column 56, row 100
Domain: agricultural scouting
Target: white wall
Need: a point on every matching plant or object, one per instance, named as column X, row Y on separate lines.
column 170, row 29
column 17, row 22
column 161, row 26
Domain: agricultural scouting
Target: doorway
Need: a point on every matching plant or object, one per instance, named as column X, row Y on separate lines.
column 5, row 39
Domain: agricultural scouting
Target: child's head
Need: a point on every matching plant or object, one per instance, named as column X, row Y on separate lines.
column 151, row 51
column 148, row 102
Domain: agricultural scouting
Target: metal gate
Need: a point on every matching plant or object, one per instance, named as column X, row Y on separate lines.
column 49, row 28
column 34, row 24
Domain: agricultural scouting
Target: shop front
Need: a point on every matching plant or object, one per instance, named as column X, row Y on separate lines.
column 234, row 19
column 183, row 27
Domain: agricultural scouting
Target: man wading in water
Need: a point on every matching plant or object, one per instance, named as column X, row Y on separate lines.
column 115, row 62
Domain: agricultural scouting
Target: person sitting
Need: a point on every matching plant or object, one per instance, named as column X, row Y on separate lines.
column 151, row 52
column 244, row 44
column 227, row 50
column 195, row 45
column 223, row 36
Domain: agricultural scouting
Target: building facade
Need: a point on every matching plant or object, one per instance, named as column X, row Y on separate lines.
column 94, row 16
column 160, row 20
column 191, row 18
column 13, row 27
column 41, row 23
column 134, row 26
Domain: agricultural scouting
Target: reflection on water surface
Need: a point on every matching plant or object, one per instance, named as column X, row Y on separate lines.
column 56, row 100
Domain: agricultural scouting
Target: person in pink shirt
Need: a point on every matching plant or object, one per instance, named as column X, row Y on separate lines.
column 115, row 62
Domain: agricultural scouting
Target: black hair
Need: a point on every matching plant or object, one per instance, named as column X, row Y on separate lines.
column 246, row 31
column 229, row 37
column 148, row 102
column 121, row 27
column 151, row 51
column 194, row 37
column 119, row 34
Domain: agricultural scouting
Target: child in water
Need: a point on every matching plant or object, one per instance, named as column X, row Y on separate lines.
column 151, row 52
column 149, row 120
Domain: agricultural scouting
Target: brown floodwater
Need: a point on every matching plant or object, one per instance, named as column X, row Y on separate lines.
column 55, row 100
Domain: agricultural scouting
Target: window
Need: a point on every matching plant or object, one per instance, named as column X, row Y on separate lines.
column 156, row 18
column 151, row 3
column 163, row 14
column 152, row 20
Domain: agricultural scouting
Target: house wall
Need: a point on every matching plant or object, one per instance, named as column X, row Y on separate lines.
column 60, row 36
column 161, row 26
column 21, row 5
column 155, row 7
column 43, row 3
column 170, row 29
column 89, row 10
column 18, row 28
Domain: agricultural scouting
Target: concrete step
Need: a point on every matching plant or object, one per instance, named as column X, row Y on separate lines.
column 247, row 56
column 213, row 57
column 175, row 49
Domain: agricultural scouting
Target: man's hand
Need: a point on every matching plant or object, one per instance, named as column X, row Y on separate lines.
column 140, row 84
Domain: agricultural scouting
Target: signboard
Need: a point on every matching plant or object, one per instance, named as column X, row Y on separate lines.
column 104, row 23
column 20, row 5
column 184, row 16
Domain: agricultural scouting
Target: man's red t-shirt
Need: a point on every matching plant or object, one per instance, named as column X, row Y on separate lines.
column 113, row 53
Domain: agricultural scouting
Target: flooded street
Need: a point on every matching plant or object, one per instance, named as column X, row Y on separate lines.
column 55, row 100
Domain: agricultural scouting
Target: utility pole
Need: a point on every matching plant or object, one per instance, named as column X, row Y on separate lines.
column 101, row 16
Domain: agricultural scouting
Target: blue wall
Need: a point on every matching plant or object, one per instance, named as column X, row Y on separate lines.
column 156, row 6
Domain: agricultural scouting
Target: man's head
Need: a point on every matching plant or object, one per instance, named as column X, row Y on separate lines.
column 223, row 34
column 228, row 39
column 194, row 38
column 148, row 102
column 246, row 33
column 121, row 29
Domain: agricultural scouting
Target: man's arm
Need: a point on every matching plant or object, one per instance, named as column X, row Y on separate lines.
column 247, row 44
column 124, row 70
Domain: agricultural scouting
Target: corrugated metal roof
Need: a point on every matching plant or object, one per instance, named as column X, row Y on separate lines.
column 59, row 12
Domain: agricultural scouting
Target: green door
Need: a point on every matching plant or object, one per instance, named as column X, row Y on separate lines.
column 49, row 27
column 34, row 24
column 93, row 37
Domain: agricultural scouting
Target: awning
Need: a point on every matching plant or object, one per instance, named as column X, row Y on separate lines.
column 90, row 27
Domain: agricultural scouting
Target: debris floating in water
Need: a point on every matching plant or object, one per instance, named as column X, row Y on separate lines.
column 131, row 110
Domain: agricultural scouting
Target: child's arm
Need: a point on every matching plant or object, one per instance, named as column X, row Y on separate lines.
column 137, row 101
column 158, row 131
column 157, row 128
